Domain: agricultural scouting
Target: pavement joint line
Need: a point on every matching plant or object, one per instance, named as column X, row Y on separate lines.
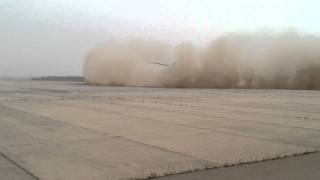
column 120, row 137
column 19, row 166
column 241, row 164
column 47, row 118
column 125, row 115
column 29, row 100
column 228, row 103
column 84, row 95
column 210, row 116
column 260, row 113
column 190, row 126
column 33, row 91
column 264, row 139
column 168, row 150
column 252, row 106
column 246, row 112
column 71, row 140
column 262, row 101
column 185, row 125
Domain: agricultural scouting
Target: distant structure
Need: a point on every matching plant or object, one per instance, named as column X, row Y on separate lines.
column 58, row 78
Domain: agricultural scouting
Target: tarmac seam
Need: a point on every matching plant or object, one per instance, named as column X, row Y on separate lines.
column 241, row 164
column 47, row 118
column 157, row 147
column 258, row 107
column 246, row 112
column 223, row 104
column 210, row 162
column 156, row 120
column 210, row 116
column 168, row 150
column 19, row 166
column 71, row 140
column 185, row 125
column 190, row 126
column 219, row 108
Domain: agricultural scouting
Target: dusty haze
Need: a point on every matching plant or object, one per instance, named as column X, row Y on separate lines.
column 236, row 60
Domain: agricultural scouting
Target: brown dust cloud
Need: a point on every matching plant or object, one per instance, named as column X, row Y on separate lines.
column 286, row 60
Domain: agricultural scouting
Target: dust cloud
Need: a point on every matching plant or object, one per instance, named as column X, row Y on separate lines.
column 287, row 60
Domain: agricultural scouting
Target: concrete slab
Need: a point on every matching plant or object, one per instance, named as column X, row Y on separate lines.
column 19, row 128
column 223, row 149
column 263, row 130
column 215, row 110
column 294, row 168
column 101, row 158
column 110, row 123
column 66, row 130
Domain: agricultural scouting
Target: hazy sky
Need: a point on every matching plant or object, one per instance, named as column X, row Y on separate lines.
column 52, row 37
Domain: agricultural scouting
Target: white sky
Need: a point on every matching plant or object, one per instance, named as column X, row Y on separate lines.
column 51, row 37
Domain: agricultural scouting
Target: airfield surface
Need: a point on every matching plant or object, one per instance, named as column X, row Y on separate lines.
column 70, row 130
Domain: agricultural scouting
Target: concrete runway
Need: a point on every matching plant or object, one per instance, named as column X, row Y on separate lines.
column 304, row 167
column 69, row 130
